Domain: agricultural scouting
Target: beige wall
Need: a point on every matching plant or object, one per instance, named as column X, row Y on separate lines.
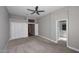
column 4, row 29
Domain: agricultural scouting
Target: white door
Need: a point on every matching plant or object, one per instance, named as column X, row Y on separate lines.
column 18, row 30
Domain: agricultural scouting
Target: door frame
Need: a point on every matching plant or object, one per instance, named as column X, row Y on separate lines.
column 36, row 28
column 33, row 34
column 67, row 26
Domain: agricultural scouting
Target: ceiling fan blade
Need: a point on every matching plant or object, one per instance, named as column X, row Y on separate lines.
column 38, row 13
column 41, row 11
column 36, row 8
column 30, row 10
column 33, row 12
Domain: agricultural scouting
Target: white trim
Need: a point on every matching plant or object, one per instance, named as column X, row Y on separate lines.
column 36, row 29
column 72, row 48
column 17, row 38
column 57, row 30
column 32, row 23
column 48, row 39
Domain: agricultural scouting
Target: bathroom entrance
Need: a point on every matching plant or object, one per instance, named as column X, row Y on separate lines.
column 62, row 32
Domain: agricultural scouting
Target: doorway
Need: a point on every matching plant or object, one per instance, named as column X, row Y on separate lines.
column 62, row 32
column 31, row 29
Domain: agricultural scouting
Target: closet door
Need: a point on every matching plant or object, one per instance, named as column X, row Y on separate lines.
column 18, row 30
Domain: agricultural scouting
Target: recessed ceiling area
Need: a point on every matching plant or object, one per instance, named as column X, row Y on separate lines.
column 22, row 10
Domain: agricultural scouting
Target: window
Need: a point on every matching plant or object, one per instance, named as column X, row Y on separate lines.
column 63, row 26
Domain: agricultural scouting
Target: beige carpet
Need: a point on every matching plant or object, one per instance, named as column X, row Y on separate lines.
column 36, row 44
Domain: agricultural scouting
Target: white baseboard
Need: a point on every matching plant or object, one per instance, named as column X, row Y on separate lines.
column 48, row 38
column 56, row 42
column 17, row 38
column 75, row 49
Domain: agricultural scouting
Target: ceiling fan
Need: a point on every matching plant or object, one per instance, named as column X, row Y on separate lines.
column 36, row 10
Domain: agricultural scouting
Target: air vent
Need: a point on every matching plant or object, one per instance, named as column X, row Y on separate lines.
column 31, row 20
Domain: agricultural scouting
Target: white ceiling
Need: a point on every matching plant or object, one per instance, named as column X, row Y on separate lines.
column 22, row 10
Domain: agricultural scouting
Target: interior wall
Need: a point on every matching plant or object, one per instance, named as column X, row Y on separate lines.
column 73, row 27
column 47, row 24
column 52, row 28
column 44, row 26
column 4, row 29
